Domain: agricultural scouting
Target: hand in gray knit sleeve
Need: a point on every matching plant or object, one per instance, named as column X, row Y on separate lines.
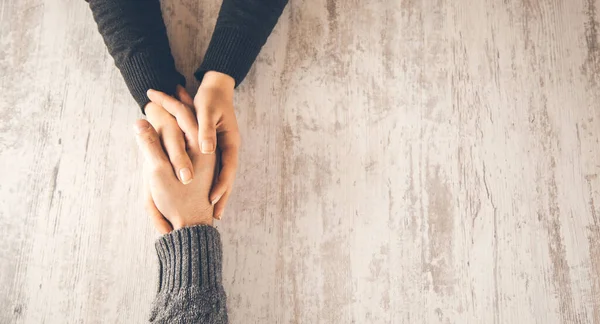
column 190, row 288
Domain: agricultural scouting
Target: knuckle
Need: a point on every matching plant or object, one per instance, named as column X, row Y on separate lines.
column 175, row 145
column 158, row 167
column 173, row 137
column 149, row 137
column 179, row 158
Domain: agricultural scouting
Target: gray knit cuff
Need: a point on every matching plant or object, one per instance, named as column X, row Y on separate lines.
column 190, row 256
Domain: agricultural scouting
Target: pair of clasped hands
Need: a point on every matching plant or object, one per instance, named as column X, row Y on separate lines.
column 182, row 142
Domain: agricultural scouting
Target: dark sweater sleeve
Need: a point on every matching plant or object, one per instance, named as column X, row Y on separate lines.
column 242, row 28
column 190, row 288
column 136, row 38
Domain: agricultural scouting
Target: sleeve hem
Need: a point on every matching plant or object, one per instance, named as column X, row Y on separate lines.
column 144, row 71
column 190, row 256
column 232, row 52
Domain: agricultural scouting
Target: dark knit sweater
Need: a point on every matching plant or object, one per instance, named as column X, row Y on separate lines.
column 135, row 35
column 190, row 288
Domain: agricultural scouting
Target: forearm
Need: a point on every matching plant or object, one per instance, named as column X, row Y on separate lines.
column 136, row 37
column 242, row 28
column 190, row 283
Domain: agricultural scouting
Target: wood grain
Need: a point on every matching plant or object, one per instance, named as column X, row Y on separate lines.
column 402, row 162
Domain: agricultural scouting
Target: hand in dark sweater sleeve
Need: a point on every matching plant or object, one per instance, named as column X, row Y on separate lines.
column 136, row 37
column 242, row 29
column 190, row 288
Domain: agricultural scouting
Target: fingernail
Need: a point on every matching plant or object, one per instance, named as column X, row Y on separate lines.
column 208, row 147
column 186, row 175
column 216, row 200
column 149, row 92
column 140, row 128
column 219, row 216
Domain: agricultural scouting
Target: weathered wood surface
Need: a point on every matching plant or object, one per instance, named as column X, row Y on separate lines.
column 403, row 162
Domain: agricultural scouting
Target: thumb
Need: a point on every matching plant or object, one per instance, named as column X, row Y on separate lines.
column 149, row 144
column 207, row 135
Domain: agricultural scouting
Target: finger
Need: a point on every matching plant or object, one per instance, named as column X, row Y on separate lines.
column 184, row 96
column 207, row 134
column 229, row 156
column 184, row 114
column 160, row 222
column 149, row 144
column 220, row 206
column 207, row 131
column 174, row 144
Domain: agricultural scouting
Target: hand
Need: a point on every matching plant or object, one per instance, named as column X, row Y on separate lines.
column 172, row 137
column 217, row 128
column 178, row 205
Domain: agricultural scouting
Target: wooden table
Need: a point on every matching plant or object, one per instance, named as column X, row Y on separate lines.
column 402, row 162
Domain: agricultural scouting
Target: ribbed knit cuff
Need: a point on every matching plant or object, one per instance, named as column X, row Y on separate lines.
column 145, row 71
column 231, row 52
column 190, row 256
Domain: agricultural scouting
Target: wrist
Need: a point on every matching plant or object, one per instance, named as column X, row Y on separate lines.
column 207, row 222
column 214, row 79
column 192, row 220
